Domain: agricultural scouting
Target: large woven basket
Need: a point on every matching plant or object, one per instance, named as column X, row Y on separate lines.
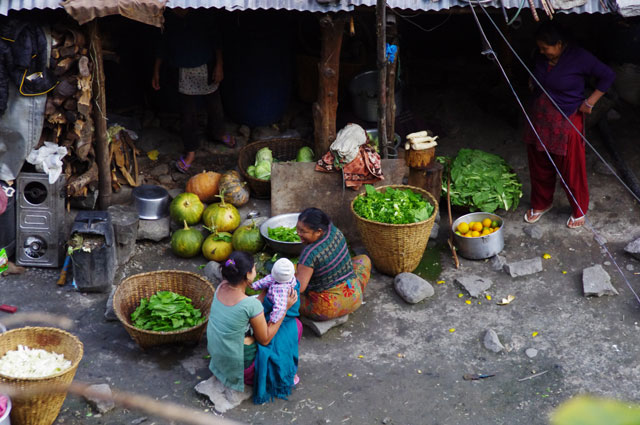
column 131, row 290
column 284, row 149
column 41, row 409
column 396, row 248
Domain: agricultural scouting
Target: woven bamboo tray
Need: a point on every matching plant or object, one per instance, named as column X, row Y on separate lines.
column 131, row 290
column 396, row 248
column 284, row 149
column 40, row 409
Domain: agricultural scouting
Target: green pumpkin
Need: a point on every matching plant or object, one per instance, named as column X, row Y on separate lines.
column 217, row 247
column 186, row 243
column 234, row 192
column 222, row 217
column 186, row 207
column 248, row 239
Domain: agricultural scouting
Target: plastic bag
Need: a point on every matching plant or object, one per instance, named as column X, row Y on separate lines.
column 48, row 159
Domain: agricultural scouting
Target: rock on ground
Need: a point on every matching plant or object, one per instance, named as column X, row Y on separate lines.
column 223, row 398
column 175, row 192
column 321, row 328
column 534, row 231
column 155, row 230
column 434, row 231
column 498, row 262
column 474, row 285
column 633, row 248
column 160, row 170
column 258, row 221
column 531, row 352
column 212, row 271
column 412, row 288
column 597, row 282
column 492, row 342
column 102, row 402
column 524, row 267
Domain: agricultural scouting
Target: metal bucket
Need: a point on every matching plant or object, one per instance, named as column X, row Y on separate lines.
column 364, row 96
column 480, row 247
column 5, row 419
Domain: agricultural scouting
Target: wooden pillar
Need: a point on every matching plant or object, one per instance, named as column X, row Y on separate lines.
column 392, row 37
column 100, row 119
column 381, row 32
column 326, row 106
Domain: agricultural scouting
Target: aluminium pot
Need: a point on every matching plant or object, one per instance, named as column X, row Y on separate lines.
column 152, row 202
column 480, row 247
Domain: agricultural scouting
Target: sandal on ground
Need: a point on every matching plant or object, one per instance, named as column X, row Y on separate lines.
column 182, row 166
column 574, row 223
column 296, row 379
column 535, row 216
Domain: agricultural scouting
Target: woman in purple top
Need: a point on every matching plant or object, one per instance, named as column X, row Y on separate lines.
column 562, row 69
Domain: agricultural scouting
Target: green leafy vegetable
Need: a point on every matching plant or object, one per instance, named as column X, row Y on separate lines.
column 166, row 311
column 305, row 154
column 264, row 154
column 395, row 206
column 482, row 182
column 284, row 234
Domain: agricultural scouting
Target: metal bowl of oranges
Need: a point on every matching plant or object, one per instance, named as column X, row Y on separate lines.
column 478, row 235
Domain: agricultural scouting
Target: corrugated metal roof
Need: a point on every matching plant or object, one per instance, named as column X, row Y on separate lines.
column 591, row 6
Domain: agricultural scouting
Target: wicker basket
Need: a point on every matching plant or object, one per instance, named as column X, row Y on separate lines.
column 40, row 409
column 284, row 149
column 396, row 248
column 131, row 290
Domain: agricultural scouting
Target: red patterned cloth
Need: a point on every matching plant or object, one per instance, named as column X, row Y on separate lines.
column 364, row 169
column 4, row 200
column 554, row 130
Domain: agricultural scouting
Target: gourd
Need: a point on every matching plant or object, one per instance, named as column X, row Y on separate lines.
column 217, row 246
column 204, row 185
column 233, row 189
column 186, row 242
column 186, row 207
column 248, row 239
column 222, row 216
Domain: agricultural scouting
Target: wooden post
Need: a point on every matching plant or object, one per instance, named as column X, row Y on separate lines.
column 100, row 119
column 392, row 36
column 326, row 106
column 381, row 30
column 429, row 179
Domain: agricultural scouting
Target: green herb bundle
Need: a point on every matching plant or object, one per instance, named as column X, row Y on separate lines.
column 166, row 311
column 284, row 234
column 395, row 206
column 482, row 181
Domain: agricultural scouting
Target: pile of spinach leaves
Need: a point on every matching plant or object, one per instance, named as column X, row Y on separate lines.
column 481, row 181
column 166, row 311
column 395, row 206
column 284, row 234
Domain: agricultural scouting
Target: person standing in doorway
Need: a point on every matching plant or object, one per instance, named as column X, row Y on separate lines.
column 192, row 43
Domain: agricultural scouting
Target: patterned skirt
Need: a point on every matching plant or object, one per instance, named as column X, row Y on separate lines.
column 340, row 300
column 193, row 81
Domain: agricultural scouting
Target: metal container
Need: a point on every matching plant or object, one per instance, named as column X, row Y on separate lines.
column 8, row 222
column 480, row 247
column 392, row 151
column 152, row 202
column 5, row 419
column 364, row 96
column 286, row 220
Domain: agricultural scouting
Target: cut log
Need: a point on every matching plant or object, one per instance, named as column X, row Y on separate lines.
column 325, row 108
column 429, row 179
column 85, row 130
column 69, row 51
column 75, row 186
column 63, row 66
column 66, row 88
column 84, row 100
column 57, row 118
column 70, row 104
column 83, row 66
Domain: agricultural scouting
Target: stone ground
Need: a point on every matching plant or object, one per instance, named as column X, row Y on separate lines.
column 396, row 363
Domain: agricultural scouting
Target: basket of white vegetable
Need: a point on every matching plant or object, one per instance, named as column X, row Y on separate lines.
column 34, row 357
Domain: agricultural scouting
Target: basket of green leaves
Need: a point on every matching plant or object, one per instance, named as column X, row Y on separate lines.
column 395, row 223
column 164, row 307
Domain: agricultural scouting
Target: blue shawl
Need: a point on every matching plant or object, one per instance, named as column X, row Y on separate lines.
column 277, row 363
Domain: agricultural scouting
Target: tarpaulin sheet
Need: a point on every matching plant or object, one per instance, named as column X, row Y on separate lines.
column 145, row 11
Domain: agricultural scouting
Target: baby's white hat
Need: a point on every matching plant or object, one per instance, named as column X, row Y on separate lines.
column 283, row 270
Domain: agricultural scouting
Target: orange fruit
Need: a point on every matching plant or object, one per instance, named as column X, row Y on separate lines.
column 463, row 228
column 486, row 222
column 495, row 224
column 486, row 231
column 477, row 226
column 475, row 234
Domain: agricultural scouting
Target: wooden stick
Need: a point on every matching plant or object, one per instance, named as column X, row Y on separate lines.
column 381, row 48
column 163, row 409
column 526, row 378
column 453, row 249
column 533, row 11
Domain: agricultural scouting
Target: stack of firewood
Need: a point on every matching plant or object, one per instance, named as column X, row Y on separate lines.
column 68, row 110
